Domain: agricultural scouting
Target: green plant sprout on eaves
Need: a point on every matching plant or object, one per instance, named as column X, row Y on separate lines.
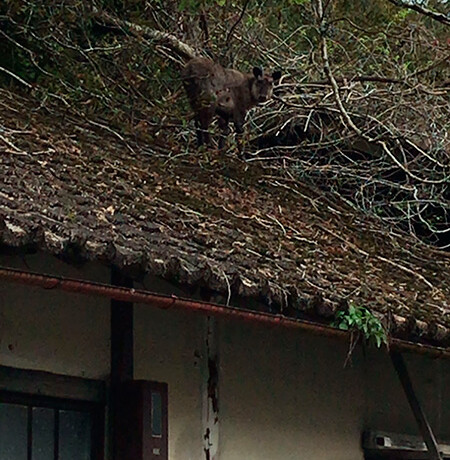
column 360, row 319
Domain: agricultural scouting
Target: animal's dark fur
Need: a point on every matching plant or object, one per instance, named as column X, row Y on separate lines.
column 226, row 93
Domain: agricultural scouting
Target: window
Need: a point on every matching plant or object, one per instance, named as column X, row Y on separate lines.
column 44, row 428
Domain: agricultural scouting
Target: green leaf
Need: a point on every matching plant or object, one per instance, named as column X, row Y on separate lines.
column 363, row 320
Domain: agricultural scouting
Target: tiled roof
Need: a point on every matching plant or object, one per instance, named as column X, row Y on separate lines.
column 76, row 190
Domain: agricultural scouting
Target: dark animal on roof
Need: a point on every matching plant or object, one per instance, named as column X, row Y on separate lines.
column 207, row 84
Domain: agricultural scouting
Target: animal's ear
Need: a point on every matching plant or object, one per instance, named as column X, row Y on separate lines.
column 276, row 75
column 257, row 72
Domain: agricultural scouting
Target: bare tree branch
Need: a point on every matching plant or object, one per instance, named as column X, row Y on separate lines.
column 345, row 115
column 230, row 33
column 16, row 77
column 170, row 41
column 422, row 10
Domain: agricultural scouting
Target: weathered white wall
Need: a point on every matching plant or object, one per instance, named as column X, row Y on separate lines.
column 168, row 348
column 283, row 394
column 50, row 330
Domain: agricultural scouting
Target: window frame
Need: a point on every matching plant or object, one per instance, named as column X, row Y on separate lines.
column 96, row 409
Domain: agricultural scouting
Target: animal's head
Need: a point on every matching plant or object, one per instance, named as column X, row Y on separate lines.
column 262, row 86
column 224, row 101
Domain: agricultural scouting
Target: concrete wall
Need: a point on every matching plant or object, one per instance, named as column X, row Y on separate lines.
column 49, row 330
column 283, row 394
column 168, row 348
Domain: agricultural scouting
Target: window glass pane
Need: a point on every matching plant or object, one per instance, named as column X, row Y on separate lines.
column 74, row 435
column 156, row 414
column 43, row 433
column 13, row 432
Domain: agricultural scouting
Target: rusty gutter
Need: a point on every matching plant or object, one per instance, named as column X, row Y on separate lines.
column 166, row 302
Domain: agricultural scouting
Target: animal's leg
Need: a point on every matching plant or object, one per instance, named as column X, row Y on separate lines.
column 199, row 133
column 205, row 118
column 239, row 127
column 225, row 130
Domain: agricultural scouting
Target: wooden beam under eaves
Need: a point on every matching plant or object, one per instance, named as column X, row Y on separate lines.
column 419, row 415
column 122, row 357
column 121, row 333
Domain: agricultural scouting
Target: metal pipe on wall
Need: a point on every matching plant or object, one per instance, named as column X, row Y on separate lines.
column 165, row 302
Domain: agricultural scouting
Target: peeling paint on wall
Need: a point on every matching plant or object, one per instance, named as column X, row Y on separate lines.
column 210, row 391
column 208, row 445
column 213, row 381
